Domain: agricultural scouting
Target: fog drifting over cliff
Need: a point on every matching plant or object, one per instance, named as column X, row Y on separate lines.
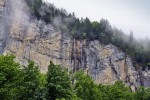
column 125, row 14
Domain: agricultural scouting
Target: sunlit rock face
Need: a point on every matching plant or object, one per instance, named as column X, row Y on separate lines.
column 31, row 39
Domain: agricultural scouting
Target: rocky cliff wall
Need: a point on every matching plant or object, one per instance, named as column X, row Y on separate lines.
column 31, row 39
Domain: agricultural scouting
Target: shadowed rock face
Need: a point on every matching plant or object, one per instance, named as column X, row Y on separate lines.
column 31, row 39
column 12, row 14
column 3, row 26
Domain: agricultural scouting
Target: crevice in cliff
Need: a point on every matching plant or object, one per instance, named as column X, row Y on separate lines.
column 128, row 79
column 113, row 69
column 140, row 74
column 61, row 47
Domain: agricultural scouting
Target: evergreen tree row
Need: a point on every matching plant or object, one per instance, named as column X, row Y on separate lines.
column 27, row 83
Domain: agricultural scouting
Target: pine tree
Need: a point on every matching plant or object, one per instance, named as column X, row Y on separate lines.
column 31, row 82
column 131, row 37
column 58, row 83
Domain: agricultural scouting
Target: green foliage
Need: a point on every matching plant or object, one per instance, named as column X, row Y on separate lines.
column 85, row 87
column 118, row 91
column 19, row 82
column 58, row 83
column 9, row 77
column 34, row 5
column 30, row 82
column 142, row 94
column 27, row 83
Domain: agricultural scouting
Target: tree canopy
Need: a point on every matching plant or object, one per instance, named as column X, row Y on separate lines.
column 28, row 83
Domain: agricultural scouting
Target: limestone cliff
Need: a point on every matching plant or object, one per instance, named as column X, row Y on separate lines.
column 31, row 39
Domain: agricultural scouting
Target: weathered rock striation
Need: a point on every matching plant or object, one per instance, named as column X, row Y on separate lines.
column 31, row 39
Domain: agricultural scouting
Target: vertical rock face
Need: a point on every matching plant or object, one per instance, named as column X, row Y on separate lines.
column 107, row 64
column 2, row 25
column 31, row 39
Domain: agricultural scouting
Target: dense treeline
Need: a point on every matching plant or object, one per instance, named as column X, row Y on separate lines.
column 27, row 83
column 85, row 29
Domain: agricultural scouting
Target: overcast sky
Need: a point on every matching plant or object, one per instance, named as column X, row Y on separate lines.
column 124, row 14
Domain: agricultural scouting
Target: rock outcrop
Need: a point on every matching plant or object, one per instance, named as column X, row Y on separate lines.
column 31, row 39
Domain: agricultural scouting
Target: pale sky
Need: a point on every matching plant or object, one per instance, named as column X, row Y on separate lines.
column 124, row 14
